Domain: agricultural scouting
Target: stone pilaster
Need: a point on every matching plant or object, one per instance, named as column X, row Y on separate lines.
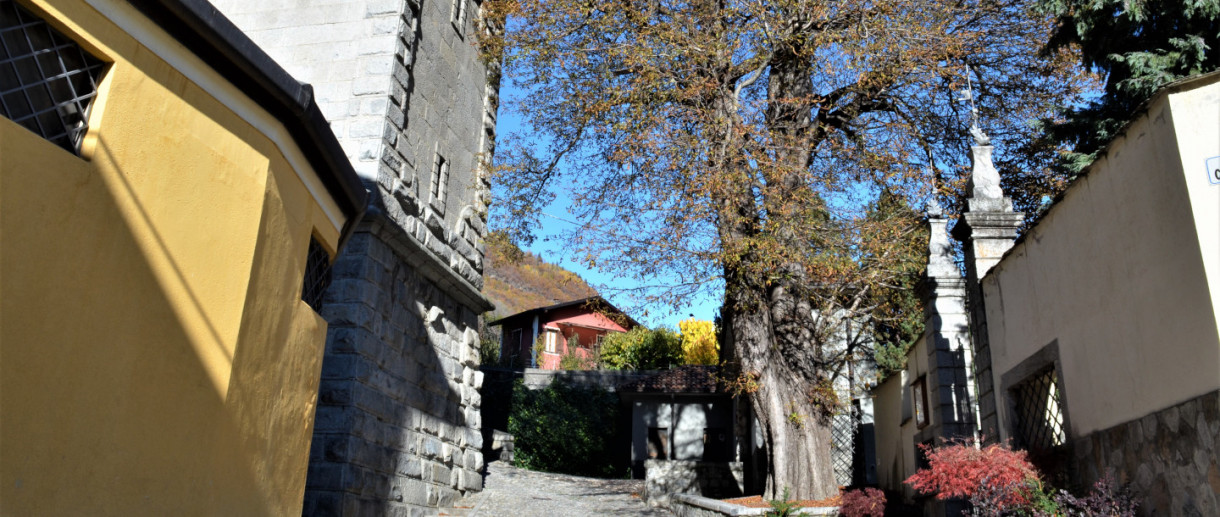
column 987, row 230
column 951, row 384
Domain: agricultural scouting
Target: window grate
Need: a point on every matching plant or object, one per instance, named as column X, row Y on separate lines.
column 1040, row 412
column 47, row 81
column 440, row 182
column 317, row 275
column 843, row 428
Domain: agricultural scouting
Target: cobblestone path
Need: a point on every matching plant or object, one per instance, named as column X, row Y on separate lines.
column 510, row 491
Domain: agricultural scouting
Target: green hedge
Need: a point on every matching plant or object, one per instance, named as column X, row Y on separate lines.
column 565, row 429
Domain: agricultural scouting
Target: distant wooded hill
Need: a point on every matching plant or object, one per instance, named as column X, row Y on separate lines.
column 517, row 280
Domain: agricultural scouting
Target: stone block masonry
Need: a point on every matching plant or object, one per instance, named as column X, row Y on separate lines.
column 1169, row 459
column 397, row 425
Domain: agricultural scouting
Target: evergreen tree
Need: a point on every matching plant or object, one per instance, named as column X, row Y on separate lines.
column 1138, row 46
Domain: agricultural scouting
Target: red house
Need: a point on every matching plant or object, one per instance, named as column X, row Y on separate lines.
column 582, row 323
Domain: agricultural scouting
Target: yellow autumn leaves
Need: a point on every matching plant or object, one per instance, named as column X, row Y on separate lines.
column 699, row 345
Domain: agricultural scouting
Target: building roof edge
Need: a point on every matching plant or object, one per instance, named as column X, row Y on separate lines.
column 207, row 33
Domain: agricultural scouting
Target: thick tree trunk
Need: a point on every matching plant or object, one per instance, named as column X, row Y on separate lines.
column 795, row 430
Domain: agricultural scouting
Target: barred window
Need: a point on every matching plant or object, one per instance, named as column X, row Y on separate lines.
column 47, row 81
column 457, row 16
column 440, row 180
column 1039, row 412
column 317, row 275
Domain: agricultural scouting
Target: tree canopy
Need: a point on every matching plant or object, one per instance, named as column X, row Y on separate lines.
column 740, row 144
column 1138, row 46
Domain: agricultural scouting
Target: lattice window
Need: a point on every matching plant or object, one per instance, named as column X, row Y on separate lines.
column 1039, row 410
column 47, row 81
column 317, row 275
column 843, row 428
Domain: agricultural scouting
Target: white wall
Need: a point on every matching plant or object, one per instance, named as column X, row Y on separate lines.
column 896, row 431
column 684, row 417
column 1117, row 273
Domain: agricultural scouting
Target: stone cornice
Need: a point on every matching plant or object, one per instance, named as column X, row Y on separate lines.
column 428, row 264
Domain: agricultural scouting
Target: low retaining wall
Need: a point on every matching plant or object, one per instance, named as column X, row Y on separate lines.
column 609, row 380
column 665, row 478
column 686, row 505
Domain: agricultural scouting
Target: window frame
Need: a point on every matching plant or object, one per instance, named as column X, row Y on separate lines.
column 457, row 17
column 84, row 69
column 919, row 402
column 315, row 282
column 438, row 187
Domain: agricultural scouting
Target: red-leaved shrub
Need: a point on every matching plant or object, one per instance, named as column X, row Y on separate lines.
column 868, row 502
column 960, row 468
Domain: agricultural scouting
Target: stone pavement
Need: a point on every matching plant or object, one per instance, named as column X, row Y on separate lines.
column 511, row 491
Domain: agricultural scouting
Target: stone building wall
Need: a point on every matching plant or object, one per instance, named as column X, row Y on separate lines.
column 403, row 85
column 1170, row 459
column 398, row 422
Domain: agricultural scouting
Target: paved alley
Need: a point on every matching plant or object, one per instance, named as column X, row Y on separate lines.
column 510, row 491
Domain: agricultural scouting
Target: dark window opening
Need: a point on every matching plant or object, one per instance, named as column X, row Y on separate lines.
column 919, row 402
column 716, row 445
column 921, row 454
column 317, row 275
column 47, row 81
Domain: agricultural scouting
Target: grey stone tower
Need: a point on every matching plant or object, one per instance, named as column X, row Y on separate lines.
column 987, row 229
column 952, row 398
column 397, row 430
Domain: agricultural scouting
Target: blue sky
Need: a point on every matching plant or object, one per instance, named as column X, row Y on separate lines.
column 556, row 219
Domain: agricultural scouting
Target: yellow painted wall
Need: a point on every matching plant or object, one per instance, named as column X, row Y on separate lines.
column 155, row 356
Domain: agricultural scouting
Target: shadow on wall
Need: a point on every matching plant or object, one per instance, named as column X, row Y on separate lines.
column 391, row 429
column 108, row 403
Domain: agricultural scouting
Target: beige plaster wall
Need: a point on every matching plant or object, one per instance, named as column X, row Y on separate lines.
column 1118, row 273
column 894, row 422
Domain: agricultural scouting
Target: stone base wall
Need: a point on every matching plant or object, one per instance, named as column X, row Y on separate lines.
column 502, row 444
column 1169, row 459
column 397, row 430
column 664, row 478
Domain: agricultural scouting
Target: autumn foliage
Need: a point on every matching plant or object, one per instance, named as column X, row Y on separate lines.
column 517, row 280
column 699, row 344
column 745, row 149
column 867, row 502
column 963, row 469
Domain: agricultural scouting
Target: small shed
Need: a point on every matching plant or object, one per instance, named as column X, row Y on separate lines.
column 680, row 414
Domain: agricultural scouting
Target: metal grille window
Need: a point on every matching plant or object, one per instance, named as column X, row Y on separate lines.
column 440, row 180
column 1039, row 411
column 457, row 16
column 317, row 275
column 843, row 429
column 47, row 81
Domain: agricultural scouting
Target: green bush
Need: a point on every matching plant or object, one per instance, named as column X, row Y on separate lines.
column 565, row 429
column 642, row 349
